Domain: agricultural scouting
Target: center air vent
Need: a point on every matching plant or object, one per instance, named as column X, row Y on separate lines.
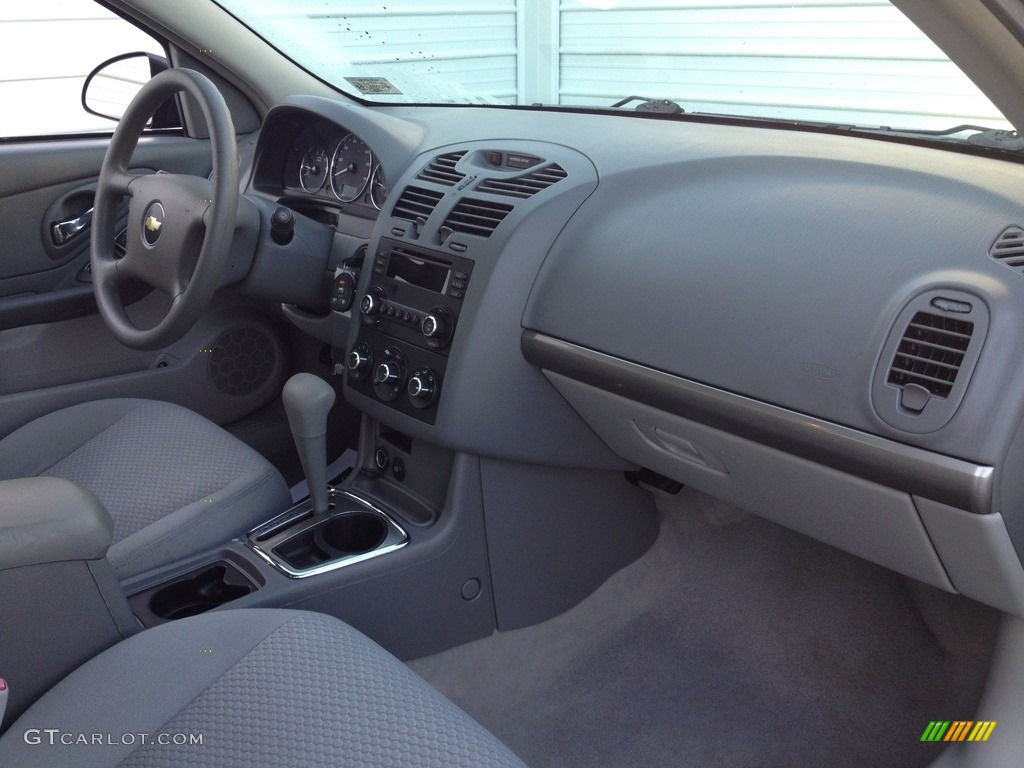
column 1009, row 249
column 441, row 170
column 416, row 203
column 524, row 186
column 928, row 360
column 477, row 217
column 931, row 352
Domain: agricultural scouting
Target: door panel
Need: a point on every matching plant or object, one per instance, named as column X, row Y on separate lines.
column 55, row 349
column 233, row 361
column 43, row 181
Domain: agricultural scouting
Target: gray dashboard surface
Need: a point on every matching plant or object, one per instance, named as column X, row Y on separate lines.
column 779, row 277
column 768, row 263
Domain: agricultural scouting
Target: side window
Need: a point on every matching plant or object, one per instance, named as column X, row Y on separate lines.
column 47, row 48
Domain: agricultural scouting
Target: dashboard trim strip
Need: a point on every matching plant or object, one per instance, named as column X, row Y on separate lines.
column 916, row 471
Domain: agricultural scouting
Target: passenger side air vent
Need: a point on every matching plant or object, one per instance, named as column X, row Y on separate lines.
column 416, row 203
column 931, row 352
column 524, row 186
column 441, row 170
column 477, row 217
column 1009, row 249
column 928, row 360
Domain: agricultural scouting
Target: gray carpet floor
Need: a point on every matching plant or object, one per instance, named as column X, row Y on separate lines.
column 732, row 643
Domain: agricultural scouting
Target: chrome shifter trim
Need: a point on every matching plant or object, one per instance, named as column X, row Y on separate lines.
column 300, row 519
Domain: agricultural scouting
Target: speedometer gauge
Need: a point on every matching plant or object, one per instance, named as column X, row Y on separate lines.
column 313, row 168
column 378, row 188
column 350, row 168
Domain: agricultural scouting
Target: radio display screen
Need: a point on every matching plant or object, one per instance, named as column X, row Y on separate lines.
column 431, row 275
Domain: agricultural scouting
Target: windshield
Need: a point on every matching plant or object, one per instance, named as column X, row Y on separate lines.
column 847, row 62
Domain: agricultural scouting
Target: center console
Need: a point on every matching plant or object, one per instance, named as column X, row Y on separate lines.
column 408, row 313
column 454, row 519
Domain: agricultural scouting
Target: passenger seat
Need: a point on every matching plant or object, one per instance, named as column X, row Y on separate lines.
column 248, row 688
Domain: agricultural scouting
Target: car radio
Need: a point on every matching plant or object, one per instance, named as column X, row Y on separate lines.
column 408, row 313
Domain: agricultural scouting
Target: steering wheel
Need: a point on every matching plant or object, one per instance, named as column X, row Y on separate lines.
column 179, row 227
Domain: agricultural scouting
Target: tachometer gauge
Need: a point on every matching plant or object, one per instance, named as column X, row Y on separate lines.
column 378, row 188
column 350, row 168
column 313, row 168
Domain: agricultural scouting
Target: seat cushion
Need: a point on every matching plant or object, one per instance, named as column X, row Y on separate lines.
column 261, row 687
column 174, row 482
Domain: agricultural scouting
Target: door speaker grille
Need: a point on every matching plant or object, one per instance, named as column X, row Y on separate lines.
column 241, row 361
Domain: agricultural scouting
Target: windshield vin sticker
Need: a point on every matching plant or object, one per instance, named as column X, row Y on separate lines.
column 373, row 85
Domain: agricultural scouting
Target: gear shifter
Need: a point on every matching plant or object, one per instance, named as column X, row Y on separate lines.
column 307, row 401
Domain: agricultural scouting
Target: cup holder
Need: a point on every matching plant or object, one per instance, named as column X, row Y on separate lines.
column 352, row 534
column 198, row 592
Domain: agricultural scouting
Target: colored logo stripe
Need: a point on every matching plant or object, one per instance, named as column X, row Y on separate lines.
column 958, row 730
column 982, row 730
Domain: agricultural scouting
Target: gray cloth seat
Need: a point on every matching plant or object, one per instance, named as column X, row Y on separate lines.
column 174, row 482
column 260, row 687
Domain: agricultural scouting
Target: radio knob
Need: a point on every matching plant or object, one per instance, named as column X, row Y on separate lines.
column 370, row 304
column 359, row 361
column 435, row 324
column 422, row 387
column 388, row 374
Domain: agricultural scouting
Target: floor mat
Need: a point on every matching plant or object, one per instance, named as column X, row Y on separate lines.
column 732, row 643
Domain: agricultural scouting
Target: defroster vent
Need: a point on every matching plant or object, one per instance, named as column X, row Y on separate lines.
column 931, row 353
column 477, row 217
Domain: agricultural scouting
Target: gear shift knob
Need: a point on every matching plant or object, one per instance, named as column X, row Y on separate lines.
column 307, row 401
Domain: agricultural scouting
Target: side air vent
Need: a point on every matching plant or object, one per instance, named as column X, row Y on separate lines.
column 524, row 186
column 931, row 352
column 1009, row 249
column 477, row 217
column 928, row 360
column 441, row 170
column 416, row 203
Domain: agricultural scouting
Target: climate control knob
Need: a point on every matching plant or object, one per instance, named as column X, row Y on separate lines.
column 422, row 387
column 359, row 362
column 388, row 373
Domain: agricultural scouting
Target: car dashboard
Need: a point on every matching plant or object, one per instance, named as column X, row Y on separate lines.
column 821, row 328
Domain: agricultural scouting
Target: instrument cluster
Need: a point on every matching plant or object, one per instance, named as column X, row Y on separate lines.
column 329, row 163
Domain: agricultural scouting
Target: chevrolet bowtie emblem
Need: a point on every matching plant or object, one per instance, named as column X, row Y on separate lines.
column 153, row 224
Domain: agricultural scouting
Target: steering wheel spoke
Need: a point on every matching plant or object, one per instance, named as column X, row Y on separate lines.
column 180, row 228
column 120, row 182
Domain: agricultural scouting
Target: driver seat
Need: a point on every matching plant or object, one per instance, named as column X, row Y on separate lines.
column 174, row 482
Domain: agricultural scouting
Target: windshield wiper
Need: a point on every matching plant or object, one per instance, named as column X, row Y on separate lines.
column 979, row 136
column 997, row 139
column 659, row 106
